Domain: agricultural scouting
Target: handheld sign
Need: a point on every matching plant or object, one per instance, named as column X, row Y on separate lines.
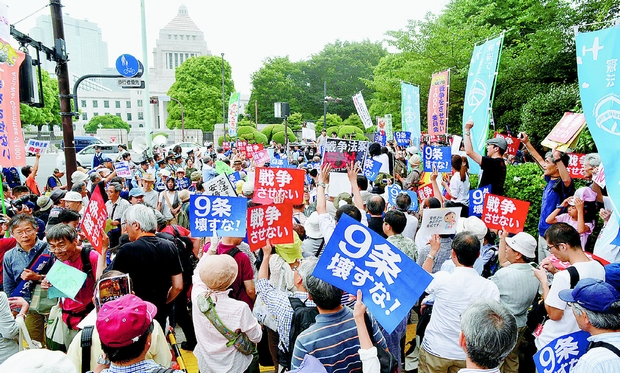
column 504, row 213
column 392, row 192
column 94, row 220
column 217, row 215
column 37, row 146
column 437, row 157
column 561, row 354
column 269, row 222
column 270, row 183
column 235, row 177
column 575, row 165
column 371, row 169
column 339, row 153
column 122, row 169
column 513, row 143
column 358, row 258
column 223, row 168
column 25, row 287
column 220, row 186
column 402, row 138
column 66, row 279
column 380, row 138
column 476, row 200
column 425, row 191
column 440, row 221
column 261, row 157
column 599, row 177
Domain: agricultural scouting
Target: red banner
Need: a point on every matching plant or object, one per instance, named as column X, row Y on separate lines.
column 575, row 165
column 438, row 103
column 12, row 149
column 271, row 182
column 248, row 149
column 425, row 191
column 94, row 220
column 513, row 143
column 225, row 145
column 270, row 222
column 504, row 213
column 261, row 157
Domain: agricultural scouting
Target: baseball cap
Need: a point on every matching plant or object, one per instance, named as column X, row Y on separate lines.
column 123, row 321
column 592, row 294
column 612, row 275
column 104, row 172
column 136, row 192
column 524, row 243
column 44, row 203
column 342, row 199
column 180, row 170
column 106, row 159
column 586, row 194
column 500, row 142
column 72, row 197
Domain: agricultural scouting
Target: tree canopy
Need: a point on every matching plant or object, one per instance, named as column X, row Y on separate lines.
column 49, row 114
column 106, row 121
column 198, row 87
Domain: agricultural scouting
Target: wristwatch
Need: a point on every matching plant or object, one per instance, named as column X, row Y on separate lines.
column 467, row 133
column 321, row 185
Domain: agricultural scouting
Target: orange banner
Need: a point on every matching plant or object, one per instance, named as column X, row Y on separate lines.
column 12, row 148
column 438, row 103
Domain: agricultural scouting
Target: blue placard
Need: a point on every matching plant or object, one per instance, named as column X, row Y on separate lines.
column 414, row 200
column 437, row 157
column 381, row 139
column 371, row 169
column 358, row 258
column 392, row 192
column 561, row 354
column 127, row 65
column 279, row 163
column 476, row 200
column 235, row 177
column 402, row 138
column 217, row 215
column 314, row 165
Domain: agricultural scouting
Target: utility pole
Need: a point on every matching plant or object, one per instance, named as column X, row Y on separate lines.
column 223, row 102
column 63, row 88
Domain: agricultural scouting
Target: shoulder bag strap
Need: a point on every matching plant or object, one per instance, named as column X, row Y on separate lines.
column 606, row 345
column 574, row 276
column 86, row 342
column 215, row 319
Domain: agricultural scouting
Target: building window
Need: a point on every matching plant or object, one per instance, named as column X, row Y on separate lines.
column 141, row 125
column 118, row 104
column 84, row 116
column 175, row 37
column 169, row 36
column 176, row 60
column 106, row 104
column 140, row 115
column 139, row 103
column 128, row 116
column 83, row 102
column 118, row 115
column 95, row 103
column 96, row 114
column 194, row 37
column 170, row 66
column 186, row 55
column 128, row 104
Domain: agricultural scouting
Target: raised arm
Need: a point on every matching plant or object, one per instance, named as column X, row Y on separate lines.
column 557, row 159
column 530, row 148
column 321, row 202
column 352, row 171
column 469, row 149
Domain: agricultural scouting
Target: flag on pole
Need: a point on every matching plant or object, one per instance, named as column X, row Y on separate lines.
column 410, row 111
column 362, row 110
column 438, row 103
column 478, row 94
column 233, row 113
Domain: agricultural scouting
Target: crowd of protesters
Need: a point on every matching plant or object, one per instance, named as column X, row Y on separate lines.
column 476, row 314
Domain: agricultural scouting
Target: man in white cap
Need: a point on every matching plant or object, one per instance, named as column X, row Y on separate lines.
column 517, row 285
column 73, row 201
column 78, row 177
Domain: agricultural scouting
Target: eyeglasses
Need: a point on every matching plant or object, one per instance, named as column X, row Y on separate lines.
column 26, row 232
column 58, row 248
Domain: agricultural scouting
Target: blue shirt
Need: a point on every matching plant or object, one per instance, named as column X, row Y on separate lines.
column 551, row 198
column 14, row 263
column 142, row 366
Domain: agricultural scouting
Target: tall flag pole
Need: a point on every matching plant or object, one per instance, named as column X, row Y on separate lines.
column 410, row 111
column 438, row 103
column 478, row 94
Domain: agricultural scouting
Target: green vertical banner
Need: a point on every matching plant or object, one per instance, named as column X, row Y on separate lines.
column 410, row 111
column 233, row 113
column 479, row 93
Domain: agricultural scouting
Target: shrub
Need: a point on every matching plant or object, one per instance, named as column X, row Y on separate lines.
column 278, row 137
column 525, row 182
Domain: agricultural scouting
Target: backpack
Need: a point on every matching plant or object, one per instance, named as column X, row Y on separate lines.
column 303, row 318
column 183, row 217
column 492, row 265
column 184, row 247
column 232, row 252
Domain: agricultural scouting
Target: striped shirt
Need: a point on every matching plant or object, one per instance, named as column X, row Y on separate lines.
column 333, row 340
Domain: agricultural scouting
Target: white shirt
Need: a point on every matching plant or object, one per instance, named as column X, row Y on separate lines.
column 453, row 293
column 411, row 227
column 385, row 162
column 459, row 190
column 561, row 280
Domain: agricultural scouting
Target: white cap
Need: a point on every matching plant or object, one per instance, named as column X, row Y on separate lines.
column 523, row 243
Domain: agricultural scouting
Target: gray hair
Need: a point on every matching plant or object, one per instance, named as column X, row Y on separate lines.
column 117, row 187
column 94, row 177
column 142, row 215
column 58, row 232
column 77, row 187
column 22, row 218
column 306, row 268
column 605, row 321
column 490, row 332
column 593, row 159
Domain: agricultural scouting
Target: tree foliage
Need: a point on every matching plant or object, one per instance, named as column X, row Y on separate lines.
column 106, row 121
column 50, row 113
column 198, row 86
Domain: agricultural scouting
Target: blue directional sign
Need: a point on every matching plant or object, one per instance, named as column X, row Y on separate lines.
column 127, row 65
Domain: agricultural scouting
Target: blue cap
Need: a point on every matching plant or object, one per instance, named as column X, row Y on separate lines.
column 106, row 159
column 612, row 275
column 136, row 192
column 594, row 295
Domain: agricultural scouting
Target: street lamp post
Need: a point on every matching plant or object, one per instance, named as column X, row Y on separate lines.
column 327, row 99
column 223, row 103
column 182, row 118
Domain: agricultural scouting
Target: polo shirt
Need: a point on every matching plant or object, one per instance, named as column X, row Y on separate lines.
column 517, row 289
column 453, row 293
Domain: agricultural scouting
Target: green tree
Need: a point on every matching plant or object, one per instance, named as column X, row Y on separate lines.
column 332, row 120
column 198, row 86
column 106, row 121
column 49, row 114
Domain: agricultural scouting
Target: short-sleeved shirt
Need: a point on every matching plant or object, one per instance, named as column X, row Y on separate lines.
column 150, row 262
column 84, row 297
column 517, row 289
column 494, row 174
column 31, row 183
column 245, row 273
column 565, row 218
column 553, row 195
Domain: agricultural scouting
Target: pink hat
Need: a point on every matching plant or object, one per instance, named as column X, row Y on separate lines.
column 586, row 194
column 123, row 321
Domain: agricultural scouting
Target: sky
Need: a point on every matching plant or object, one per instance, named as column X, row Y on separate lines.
column 246, row 31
